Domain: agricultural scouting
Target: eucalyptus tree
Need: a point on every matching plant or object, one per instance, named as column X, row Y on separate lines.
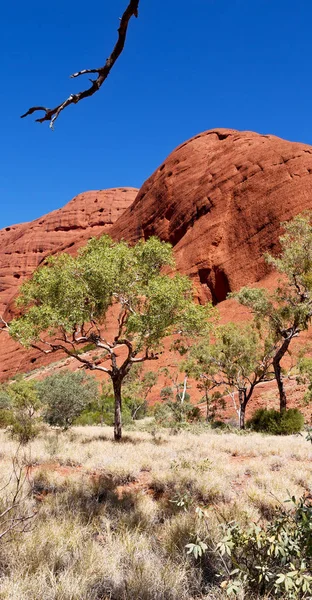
column 287, row 311
column 237, row 360
column 68, row 303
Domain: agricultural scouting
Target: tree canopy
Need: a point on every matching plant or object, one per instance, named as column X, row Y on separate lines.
column 238, row 360
column 68, row 301
column 288, row 310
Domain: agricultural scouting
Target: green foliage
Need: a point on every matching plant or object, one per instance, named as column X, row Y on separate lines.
column 136, row 387
column 67, row 301
column 305, row 376
column 133, row 407
column 197, row 549
column 290, row 305
column 238, row 360
column 277, row 423
column 287, row 311
column 19, row 412
column 108, row 411
column 65, row 395
column 69, row 292
column 273, row 559
column 170, row 414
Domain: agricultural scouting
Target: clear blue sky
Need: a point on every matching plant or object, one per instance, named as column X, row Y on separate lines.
column 188, row 66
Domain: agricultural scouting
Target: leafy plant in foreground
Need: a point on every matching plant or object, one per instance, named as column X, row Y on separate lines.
column 272, row 559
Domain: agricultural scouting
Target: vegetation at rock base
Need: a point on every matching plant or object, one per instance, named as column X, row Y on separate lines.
column 277, row 423
column 66, row 304
column 238, row 360
column 19, row 413
column 288, row 311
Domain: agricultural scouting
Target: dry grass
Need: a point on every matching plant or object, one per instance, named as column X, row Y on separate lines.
column 109, row 524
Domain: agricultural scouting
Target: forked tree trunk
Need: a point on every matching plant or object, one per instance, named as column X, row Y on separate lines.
column 278, row 374
column 118, row 421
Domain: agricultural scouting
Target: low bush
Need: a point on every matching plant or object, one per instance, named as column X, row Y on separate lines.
column 19, row 410
column 171, row 413
column 218, row 425
column 65, row 395
column 275, row 559
column 275, row 422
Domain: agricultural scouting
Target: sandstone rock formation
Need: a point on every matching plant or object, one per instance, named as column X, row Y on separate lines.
column 219, row 199
column 24, row 247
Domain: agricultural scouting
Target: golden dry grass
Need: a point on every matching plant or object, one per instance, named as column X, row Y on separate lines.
column 109, row 525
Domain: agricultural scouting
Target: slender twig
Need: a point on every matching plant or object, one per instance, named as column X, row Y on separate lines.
column 51, row 114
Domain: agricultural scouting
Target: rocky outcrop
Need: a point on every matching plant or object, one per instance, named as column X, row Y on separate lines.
column 24, row 247
column 219, row 199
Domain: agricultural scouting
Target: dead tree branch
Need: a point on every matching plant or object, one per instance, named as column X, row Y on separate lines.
column 16, row 515
column 51, row 114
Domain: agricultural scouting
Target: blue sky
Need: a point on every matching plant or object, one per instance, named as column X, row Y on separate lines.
column 187, row 67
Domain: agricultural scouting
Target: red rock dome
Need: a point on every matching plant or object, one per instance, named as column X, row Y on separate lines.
column 219, row 199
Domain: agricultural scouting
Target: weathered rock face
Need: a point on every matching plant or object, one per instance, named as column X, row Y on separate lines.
column 23, row 247
column 219, row 199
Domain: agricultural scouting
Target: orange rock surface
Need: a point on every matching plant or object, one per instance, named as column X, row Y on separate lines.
column 23, row 247
column 218, row 198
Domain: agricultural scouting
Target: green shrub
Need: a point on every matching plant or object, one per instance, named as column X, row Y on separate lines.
column 277, row 423
column 218, row 425
column 89, row 417
column 65, row 395
column 273, row 559
column 171, row 413
column 19, row 410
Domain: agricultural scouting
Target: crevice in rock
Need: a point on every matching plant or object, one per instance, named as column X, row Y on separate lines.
column 217, row 282
column 222, row 136
column 68, row 227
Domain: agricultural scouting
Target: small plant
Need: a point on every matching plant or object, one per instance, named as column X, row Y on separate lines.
column 275, row 559
column 20, row 410
column 277, row 423
column 65, row 395
column 197, row 549
column 175, row 413
column 182, row 501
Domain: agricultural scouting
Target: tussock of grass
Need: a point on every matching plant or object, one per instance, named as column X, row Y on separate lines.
column 114, row 519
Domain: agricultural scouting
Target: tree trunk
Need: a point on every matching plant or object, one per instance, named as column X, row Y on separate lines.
column 280, row 385
column 278, row 373
column 242, row 408
column 184, row 389
column 207, row 406
column 118, row 422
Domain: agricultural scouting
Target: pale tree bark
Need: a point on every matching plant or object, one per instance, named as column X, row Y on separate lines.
column 242, row 407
